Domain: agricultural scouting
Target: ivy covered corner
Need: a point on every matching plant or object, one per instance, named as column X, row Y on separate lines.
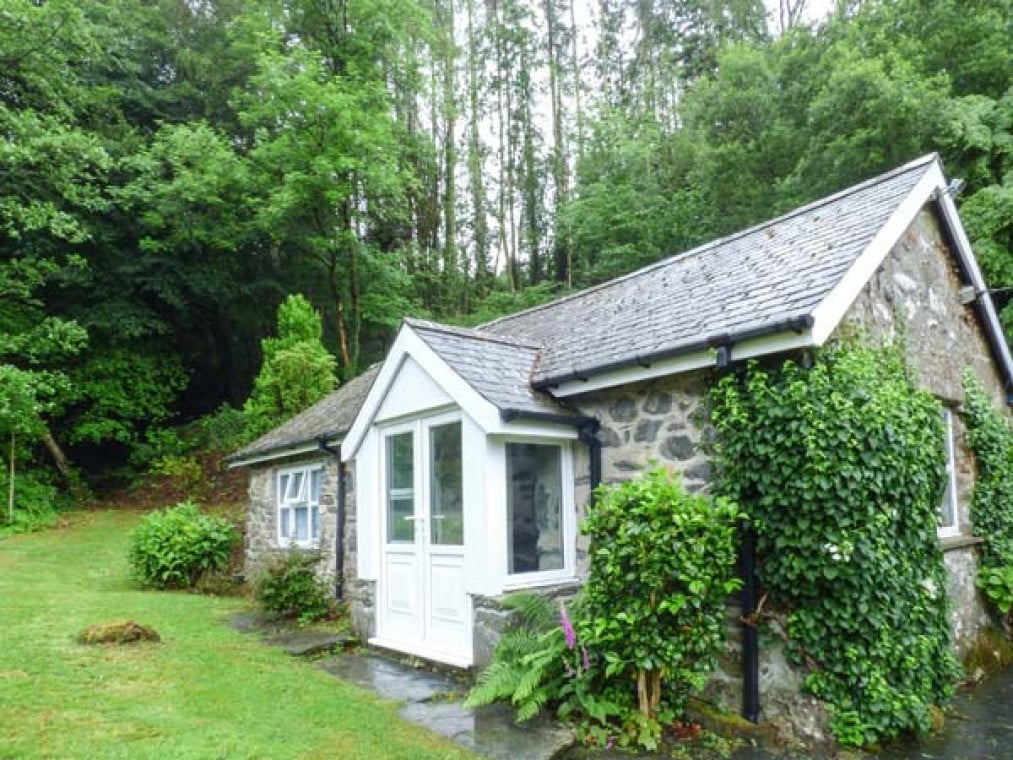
column 831, row 383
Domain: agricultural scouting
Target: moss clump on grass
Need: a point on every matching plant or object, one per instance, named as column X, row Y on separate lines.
column 119, row 632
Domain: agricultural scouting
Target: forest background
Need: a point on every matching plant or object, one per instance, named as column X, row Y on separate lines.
column 170, row 170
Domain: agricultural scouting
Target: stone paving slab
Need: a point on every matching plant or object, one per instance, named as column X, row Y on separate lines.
column 388, row 679
column 306, row 643
column 491, row 731
column 435, row 701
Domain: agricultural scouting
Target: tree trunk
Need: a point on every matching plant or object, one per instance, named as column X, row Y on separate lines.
column 59, row 458
column 480, row 231
column 10, row 485
column 450, row 263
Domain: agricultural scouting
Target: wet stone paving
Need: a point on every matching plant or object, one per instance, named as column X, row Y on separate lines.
column 979, row 722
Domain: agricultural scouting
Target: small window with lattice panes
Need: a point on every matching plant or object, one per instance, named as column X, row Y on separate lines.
column 299, row 506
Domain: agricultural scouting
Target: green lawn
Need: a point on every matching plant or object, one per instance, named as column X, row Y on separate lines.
column 204, row 692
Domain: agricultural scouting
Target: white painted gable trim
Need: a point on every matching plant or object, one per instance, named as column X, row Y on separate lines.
column 408, row 343
column 991, row 316
column 828, row 314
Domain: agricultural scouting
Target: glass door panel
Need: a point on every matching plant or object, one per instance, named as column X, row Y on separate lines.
column 400, row 488
column 446, row 489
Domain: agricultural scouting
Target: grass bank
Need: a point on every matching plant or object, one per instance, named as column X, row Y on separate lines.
column 204, row 692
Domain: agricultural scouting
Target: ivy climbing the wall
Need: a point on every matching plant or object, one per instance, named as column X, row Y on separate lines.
column 841, row 468
column 991, row 439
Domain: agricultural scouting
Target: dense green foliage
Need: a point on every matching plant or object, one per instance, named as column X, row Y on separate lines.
column 841, row 468
column 297, row 369
column 991, row 439
column 662, row 567
column 529, row 667
column 997, row 585
column 647, row 627
column 291, row 587
column 175, row 546
column 170, row 171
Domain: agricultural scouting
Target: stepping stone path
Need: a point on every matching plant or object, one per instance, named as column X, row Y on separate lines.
column 432, row 700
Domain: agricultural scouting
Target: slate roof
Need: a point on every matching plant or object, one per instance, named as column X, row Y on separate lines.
column 753, row 281
column 329, row 418
column 768, row 278
column 498, row 368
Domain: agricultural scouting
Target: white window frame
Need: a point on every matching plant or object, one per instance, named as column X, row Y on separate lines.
column 949, row 497
column 285, row 502
column 569, row 517
column 419, row 427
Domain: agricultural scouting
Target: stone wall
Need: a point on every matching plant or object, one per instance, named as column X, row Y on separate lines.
column 660, row 422
column 262, row 514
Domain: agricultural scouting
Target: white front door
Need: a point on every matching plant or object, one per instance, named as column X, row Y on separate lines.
column 423, row 607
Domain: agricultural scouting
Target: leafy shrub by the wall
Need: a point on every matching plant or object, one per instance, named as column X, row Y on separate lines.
column 662, row 566
column 997, row 585
column 174, row 547
column 647, row 627
column 529, row 663
column 841, row 467
column 290, row 587
column 991, row 439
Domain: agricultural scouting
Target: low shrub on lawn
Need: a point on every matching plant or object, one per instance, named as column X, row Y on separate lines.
column 176, row 546
column 290, row 587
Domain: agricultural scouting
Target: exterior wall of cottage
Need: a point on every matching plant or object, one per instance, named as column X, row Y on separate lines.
column 262, row 517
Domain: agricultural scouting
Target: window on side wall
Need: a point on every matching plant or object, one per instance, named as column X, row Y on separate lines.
column 299, row 506
column 538, row 525
column 948, row 516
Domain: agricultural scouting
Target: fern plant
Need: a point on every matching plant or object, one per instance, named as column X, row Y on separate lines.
column 528, row 667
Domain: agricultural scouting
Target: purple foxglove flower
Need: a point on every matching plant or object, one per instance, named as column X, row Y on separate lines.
column 586, row 658
column 571, row 635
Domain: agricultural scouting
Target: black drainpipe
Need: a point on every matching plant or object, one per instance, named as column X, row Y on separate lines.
column 339, row 528
column 747, row 567
column 588, row 433
column 750, row 637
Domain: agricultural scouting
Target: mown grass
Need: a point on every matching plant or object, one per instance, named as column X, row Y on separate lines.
column 205, row 691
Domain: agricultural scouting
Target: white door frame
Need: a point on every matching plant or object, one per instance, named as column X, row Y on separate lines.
column 422, row 607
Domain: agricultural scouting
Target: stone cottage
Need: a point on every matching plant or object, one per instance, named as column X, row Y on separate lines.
column 457, row 470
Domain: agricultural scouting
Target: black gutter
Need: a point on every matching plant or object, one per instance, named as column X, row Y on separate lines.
column 797, row 324
column 339, row 528
column 510, row 414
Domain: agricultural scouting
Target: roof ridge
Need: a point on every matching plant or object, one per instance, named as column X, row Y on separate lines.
column 711, row 244
column 468, row 332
